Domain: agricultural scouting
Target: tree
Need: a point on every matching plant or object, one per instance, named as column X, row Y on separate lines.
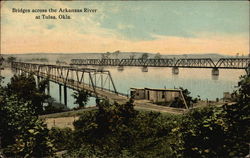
column 237, row 55
column 216, row 131
column 1, row 60
column 43, row 84
column 11, row 59
column 116, row 53
column 144, row 56
column 25, row 89
column 81, row 97
column 62, row 137
column 238, row 120
column 105, row 55
column 179, row 103
column 22, row 133
column 118, row 130
column 132, row 56
column 158, row 56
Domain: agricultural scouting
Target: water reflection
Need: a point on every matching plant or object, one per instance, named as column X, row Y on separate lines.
column 198, row 81
column 215, row 77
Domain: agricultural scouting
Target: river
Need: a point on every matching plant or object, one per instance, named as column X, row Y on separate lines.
column 197, row 81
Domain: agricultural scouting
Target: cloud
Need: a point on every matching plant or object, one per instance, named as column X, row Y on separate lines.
column 77, row 43
column 124, row 26
column 21, row 33
column 50, row 27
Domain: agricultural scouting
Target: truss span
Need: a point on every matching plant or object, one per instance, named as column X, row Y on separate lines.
column 223, row 63
column 98, row 82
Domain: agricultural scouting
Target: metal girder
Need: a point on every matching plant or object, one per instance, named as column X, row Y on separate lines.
column 236, row 63
column 226, row 63
column 132, row 62
column 160, row 62
column 67, row 75
column 201, row 63
column 109, row 62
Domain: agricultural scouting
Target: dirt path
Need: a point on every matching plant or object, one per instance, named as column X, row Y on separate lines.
column 66, row 119
column 61, row 122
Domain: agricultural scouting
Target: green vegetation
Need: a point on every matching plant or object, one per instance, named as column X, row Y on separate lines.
column 217, row 131
column 179, row 103
column 24, row 87
column 11, row 59
column 61, row 137
column 81, row 98
column 22, row 133
column 1, row 60
column 144, row 56
column 71, row 113
column 39, row 59
column 115, row 130
column 158, row 56
column 60, row 62
column 105, row 55
column 132, row 56
column 116, row 53
column 120, row 131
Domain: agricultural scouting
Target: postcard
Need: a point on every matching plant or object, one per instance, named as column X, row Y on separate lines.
column 124, row 79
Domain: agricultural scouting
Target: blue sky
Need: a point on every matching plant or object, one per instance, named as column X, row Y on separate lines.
column 184, row 19
column 168, row 27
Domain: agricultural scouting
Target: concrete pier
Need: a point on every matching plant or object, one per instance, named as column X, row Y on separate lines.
column 175, row 70
column 215, row 72
column 60, row 93
column 48, row 88
column 144, row 69
column 120, row 68
column 65, row 95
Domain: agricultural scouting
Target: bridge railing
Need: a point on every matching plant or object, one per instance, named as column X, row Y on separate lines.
column 69, row 74
column 234, row 63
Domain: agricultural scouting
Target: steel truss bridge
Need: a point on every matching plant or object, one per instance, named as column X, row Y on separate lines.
column 225, row 63
column 222, row 63
column 97, row 82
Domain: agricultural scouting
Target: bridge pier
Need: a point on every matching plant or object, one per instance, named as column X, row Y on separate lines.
column 37, row 81
column 100, row 68
column 60, row 93
column 19, row 72
column 215, row 72
column 120, row 68
column 248, row 70
column 144, row 69
column 65, row 95
column 175, row 70
column 48, row 88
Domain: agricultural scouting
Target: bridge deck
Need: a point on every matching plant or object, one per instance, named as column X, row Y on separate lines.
column 113, row 97
column 222, row 63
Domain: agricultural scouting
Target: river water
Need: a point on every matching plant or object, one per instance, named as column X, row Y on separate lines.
column 197, row 81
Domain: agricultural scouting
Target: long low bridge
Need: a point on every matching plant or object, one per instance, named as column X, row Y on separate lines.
column 222, row 63
column 97, row 82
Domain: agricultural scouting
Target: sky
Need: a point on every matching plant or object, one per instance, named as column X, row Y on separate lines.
column 166, row 27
